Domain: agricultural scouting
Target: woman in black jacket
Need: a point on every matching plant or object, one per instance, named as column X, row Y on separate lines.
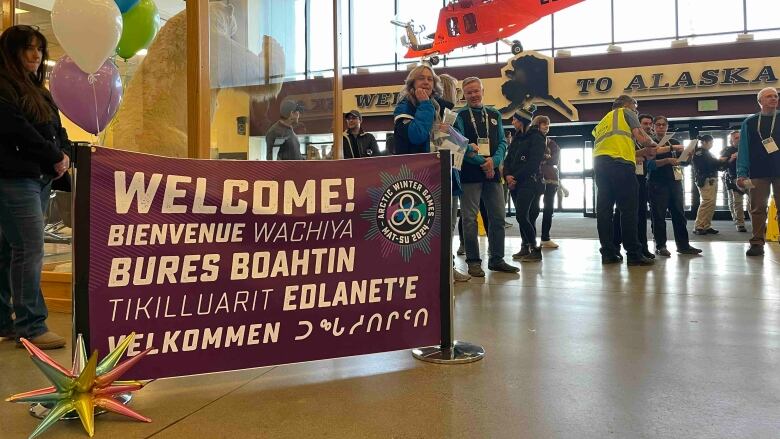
column 33, row 153
column 522, row 174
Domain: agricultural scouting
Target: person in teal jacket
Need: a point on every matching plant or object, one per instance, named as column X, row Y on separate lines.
column 480, row 179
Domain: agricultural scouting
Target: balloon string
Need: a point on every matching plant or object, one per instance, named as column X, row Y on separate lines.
column 92, row 81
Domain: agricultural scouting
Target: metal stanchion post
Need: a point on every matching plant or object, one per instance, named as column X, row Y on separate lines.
column 450, row 351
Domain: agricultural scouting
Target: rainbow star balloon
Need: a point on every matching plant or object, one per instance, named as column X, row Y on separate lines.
column 85, row 386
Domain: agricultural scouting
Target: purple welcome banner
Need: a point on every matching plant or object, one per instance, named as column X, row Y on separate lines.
column 222, row 265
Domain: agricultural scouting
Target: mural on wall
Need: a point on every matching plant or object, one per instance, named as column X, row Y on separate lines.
column 153, row 116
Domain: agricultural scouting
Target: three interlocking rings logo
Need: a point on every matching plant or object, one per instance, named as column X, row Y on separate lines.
column 405, row 212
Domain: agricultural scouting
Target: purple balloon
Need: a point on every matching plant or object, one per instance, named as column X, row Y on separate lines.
column 90, row 101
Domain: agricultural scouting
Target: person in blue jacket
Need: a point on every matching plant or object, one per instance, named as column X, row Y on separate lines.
column 419, row 111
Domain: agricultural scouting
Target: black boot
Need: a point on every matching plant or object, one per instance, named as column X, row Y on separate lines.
column 534, row 255
column 638, row 260
column 610, row 258
column 524, row 251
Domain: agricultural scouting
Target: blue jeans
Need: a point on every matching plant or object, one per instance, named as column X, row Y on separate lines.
column 492, row 195
column 22, row 204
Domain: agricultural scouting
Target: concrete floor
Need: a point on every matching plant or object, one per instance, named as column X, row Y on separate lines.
column 688, row 348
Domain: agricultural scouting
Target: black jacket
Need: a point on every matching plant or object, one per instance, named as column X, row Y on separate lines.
column 362, row 145
column 525, row 155
column 27, row 149
column 705, row 166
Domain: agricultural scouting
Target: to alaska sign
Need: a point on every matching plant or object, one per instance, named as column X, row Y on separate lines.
column 530, row 76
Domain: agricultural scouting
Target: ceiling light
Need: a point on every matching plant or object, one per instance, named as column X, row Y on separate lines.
column 20, row 11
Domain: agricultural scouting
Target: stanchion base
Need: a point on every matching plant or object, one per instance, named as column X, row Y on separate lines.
column 40, row 411
column 460, row 353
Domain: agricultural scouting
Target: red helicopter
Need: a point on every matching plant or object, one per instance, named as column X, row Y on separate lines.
column 470, row 22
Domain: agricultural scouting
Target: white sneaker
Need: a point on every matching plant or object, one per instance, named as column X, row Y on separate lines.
column 459, row 276
column 549, row 244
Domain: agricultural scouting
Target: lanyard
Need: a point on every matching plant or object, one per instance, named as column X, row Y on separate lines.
column 771, row 131
column 474, row 122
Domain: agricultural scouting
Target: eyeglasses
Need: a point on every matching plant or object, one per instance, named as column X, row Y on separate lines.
column 352, row 117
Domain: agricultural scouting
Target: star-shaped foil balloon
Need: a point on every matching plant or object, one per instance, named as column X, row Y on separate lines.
column 85, row 386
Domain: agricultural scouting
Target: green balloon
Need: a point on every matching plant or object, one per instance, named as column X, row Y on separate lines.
column 139, row 26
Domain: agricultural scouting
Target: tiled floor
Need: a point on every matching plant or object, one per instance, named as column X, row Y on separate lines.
column 688, row 348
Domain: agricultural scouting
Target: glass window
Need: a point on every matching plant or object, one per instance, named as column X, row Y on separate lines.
column 572, row 160
column 659, row 15
column 762, row 14
column 452, row 27
column 648, row 45
column 281, row 113
column 576, row 188
column 482, row 54
column 470, row 23
column 423, row 12
column 768, row 35
column 374, row 41
column 588, row 156
column 715, row 16
column 285, row 22
column 713, row 39
column 149, row 116
column 346, row 56
column 569, row 24
column 537, row 36
column 320, row 33
column 590, row 199
column 592, row 50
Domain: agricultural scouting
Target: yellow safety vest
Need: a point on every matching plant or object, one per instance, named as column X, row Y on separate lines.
column 613, row 137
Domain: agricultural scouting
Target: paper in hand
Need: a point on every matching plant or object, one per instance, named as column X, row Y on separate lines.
column 449, row 117
column 457, row 153
column 686, row 154
column 457, row 144
column 665, row 139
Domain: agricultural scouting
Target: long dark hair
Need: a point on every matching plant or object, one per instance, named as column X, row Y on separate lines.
column 13, row 42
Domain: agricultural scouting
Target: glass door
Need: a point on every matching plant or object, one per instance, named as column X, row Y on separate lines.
column 576, row 175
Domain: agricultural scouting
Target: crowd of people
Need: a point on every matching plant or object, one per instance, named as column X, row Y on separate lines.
column 629, row 145
column 637, row 169
column 635, row 166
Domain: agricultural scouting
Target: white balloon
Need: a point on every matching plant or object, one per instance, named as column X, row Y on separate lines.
column 88, row 30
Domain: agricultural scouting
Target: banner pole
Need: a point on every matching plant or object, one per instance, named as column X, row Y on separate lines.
column 80, row 243
column 446, row 288
column 450, row 351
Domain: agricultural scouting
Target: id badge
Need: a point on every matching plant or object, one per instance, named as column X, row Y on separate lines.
column 484, row 146
column 678, row 174
column 770, row 145
column 640, row 169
